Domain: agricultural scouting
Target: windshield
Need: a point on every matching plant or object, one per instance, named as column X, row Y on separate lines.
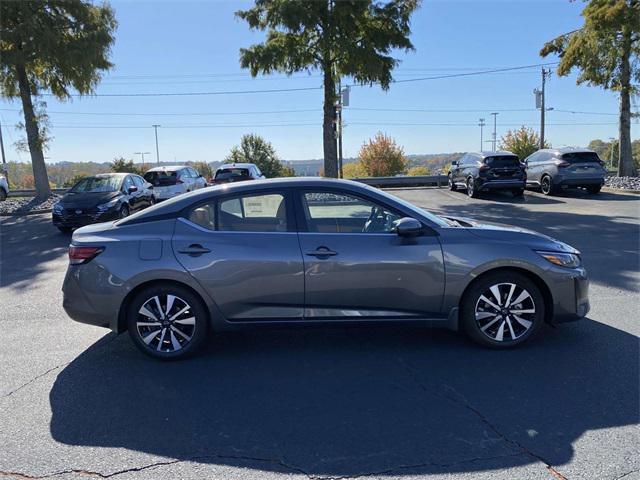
column 97, row 185
column 581, row 157
column 502, row 161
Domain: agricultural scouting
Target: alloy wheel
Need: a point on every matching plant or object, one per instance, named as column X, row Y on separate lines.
column 545, row 185
column 124, row 211
column 165, row 323
column 505, row 312
column 470, row 188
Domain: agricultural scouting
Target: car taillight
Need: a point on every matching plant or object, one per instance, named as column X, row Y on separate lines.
column 563, row 164
column 484, row 167
column 81, row 255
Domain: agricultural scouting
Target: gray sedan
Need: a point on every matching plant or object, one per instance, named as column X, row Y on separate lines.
column 314, row 251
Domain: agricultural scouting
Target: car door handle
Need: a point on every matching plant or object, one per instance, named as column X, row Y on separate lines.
column 321, row 252
column 194, row 250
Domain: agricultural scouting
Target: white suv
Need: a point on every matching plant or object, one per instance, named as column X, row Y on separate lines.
column 171, row 181
column 4, row 187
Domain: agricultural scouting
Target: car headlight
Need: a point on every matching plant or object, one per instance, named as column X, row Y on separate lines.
column 568, row 260
column 57, row 208
column 106, row 206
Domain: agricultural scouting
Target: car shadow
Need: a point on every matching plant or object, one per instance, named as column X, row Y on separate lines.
column 505, row 196
column 27, row 243
column 353, row 401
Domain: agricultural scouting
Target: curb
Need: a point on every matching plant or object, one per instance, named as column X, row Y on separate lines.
column 22, row 214
column 620, row 190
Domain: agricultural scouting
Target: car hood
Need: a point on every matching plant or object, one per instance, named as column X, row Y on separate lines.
column 86, row 200
column 511, row 234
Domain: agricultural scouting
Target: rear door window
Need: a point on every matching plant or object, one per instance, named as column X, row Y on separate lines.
column 581, row 157
column 502, row 161
column 253, row 213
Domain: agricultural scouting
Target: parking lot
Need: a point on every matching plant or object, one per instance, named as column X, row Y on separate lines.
column 379, row 402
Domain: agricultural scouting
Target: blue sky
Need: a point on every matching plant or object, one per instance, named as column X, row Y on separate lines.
column 182, row 46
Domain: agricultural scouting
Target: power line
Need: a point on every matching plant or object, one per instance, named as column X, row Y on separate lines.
column 127, row 114
column 319, row 87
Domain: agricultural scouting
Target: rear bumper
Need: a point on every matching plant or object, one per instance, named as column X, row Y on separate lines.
column 80, row 308
column 578, row 181
column 484, row 185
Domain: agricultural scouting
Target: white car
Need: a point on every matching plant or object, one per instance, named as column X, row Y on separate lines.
column 4, row 187
column 171, row 181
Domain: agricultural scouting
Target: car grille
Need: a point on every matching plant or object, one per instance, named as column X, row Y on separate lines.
column 70, row 217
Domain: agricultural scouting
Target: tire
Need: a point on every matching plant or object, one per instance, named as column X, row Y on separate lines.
column 3, row 195
column 594, row 189
column 471, row 188
column 452, row 186
column 546, row 185
column 175, row 338
column 64, row 229
column 124, row 211
column 504, row 329
column 518, row 192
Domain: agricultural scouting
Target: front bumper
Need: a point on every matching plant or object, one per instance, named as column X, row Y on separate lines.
column 570, row 291
column 69, row 219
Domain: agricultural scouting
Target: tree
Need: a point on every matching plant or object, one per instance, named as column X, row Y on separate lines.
column 203, row 169
column 338, row 37
column 523, row 142
column 49, row 45
column 122, row 165
column 353, row 170
column 382, row 157
column 255, row 149
column 606, row 51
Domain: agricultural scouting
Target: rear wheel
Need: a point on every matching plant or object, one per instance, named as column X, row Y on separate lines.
column 593, row 189
column 546, row 185
column 471, row 188
column 502, row 310
column 518, row 192
column 167, row 322
column 64, row 229
column 452, row 185
column 3, row 195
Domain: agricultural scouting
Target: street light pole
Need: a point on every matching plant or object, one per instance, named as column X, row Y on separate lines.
column 143, row 154
column 495, row 137
column 481, row 124
column 155, row 127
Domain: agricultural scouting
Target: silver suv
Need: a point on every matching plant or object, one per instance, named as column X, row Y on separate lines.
column 553, row 169
column 4, row 187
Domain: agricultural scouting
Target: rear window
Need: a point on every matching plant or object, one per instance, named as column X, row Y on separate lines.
column 161, row 179
column 581, row 157
column 502, row 161
column 232, row 172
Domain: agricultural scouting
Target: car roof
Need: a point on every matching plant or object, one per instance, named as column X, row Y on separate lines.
column 168, row 167
column 236, row 165
column 111, row 174
column 562, row 150
column 497, row 153
column 180, row 202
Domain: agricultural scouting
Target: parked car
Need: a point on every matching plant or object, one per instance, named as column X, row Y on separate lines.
column 101, row 198
column 314, row 251
column 237, row 172
column 485, row 171
column 553, row 169
column 171, row 181
column 4, row 188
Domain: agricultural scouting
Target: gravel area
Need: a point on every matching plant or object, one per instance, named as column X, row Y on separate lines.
column 624, row 183
column 26, row 205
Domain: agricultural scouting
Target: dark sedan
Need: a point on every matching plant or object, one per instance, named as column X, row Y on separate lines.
column 101, row 198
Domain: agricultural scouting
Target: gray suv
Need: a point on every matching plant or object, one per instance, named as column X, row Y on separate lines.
column 553, row 169
column 486, row 171
column 309, row 252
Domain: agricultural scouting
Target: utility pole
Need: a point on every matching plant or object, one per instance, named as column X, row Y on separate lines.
column 481, row 124
column 4, row 160
column 540, row 103
column 143, row 154
column 343, row 101
column 494, row 136
column 155, row 127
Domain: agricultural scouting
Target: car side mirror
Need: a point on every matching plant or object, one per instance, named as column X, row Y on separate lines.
column 408, row 227
column 132, row 189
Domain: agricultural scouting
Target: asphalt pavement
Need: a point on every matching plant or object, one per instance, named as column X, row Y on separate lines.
column 379, row 402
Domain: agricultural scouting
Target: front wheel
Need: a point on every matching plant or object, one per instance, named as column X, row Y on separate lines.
column 502, row 310
column 64, row 229
column 124, row 211
column 593, row 189
column 167, row 322
column 452, row 185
